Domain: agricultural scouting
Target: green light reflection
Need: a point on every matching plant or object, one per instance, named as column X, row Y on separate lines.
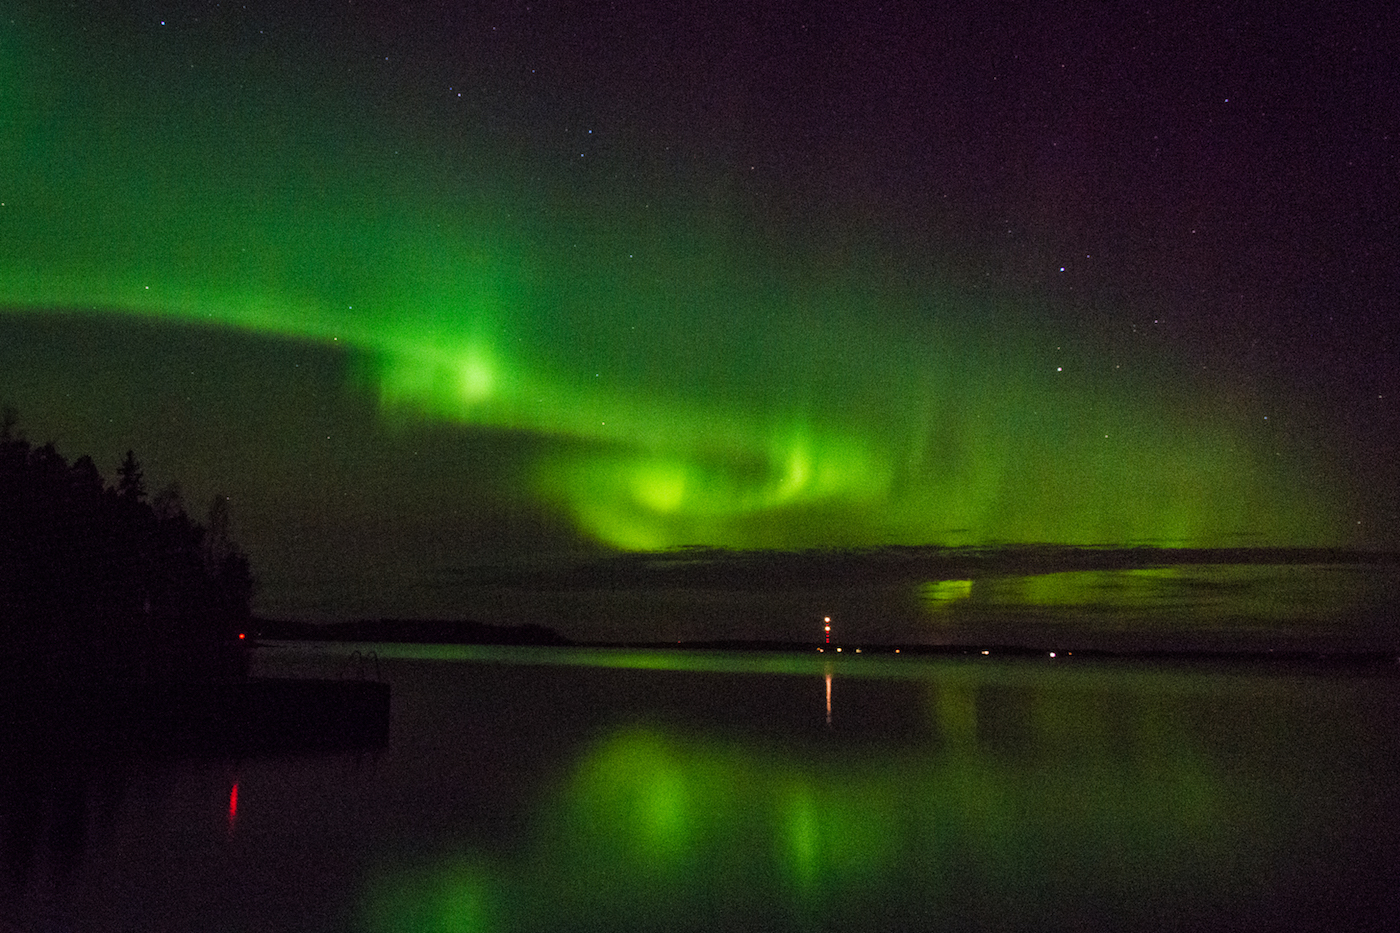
column 1033, row 794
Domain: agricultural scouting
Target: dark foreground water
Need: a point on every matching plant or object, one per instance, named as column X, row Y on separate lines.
column 536, row 789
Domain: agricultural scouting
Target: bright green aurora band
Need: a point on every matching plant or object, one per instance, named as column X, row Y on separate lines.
column 695, row 377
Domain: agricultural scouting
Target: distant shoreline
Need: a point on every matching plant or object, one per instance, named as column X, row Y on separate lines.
column 710, row 570
column 411, row 631
column 443, row 632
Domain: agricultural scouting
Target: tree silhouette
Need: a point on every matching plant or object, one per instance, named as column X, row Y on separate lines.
column 131, row 482
column 97, row 582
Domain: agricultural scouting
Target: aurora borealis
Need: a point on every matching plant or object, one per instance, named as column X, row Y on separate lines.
column 626, row 279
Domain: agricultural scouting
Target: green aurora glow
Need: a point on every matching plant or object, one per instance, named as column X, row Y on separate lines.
column 696, row 377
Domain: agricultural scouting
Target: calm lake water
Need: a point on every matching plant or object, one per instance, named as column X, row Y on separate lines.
column 587, row 789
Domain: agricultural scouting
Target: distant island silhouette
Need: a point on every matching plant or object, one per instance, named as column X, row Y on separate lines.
column 411, row 631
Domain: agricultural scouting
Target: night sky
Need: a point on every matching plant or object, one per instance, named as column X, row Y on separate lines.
column 427, row 287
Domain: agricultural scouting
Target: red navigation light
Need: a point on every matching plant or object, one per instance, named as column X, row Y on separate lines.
column 240, row 636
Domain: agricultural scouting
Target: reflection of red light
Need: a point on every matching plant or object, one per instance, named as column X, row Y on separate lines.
column 232, row 807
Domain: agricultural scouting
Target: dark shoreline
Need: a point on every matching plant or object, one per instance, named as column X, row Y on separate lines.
column 410, row 631
column 1329, row 660
column 391, row 632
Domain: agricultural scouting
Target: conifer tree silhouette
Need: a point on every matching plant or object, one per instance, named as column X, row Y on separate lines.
column 98, row 582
